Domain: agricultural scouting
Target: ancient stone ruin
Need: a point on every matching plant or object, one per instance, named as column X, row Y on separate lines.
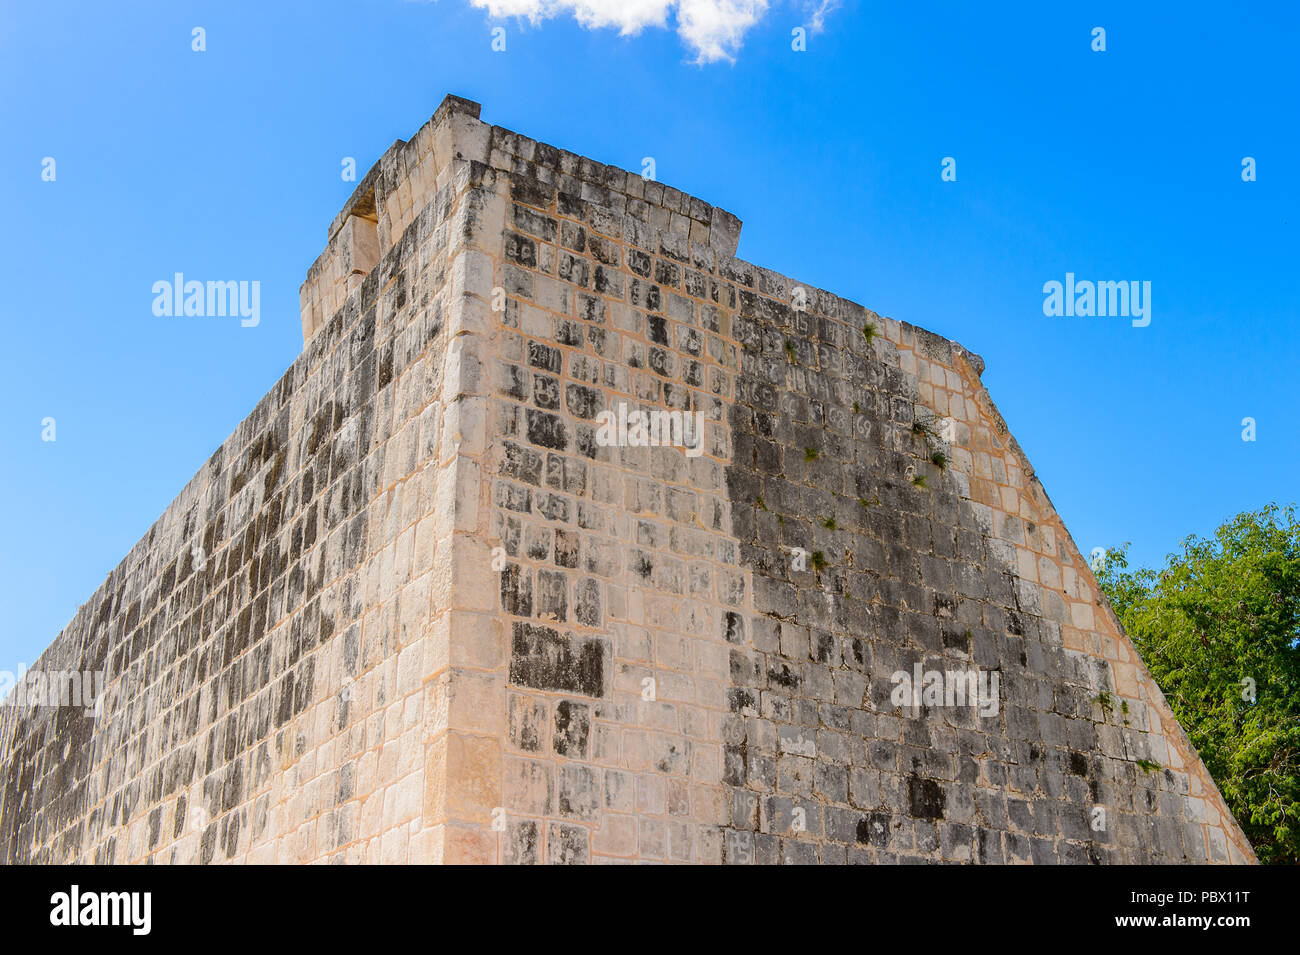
column 570, row 537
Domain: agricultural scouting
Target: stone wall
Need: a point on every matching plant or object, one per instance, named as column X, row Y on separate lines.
column 263, row 643
column 445, row 618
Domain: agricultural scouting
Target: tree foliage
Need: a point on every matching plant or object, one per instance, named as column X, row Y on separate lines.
column 1219, row 627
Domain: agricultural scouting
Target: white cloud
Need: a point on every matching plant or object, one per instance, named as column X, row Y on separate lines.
column 818, row 11
column 713, row 29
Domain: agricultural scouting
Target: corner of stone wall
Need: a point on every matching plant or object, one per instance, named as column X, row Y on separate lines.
column 463, row 671
column 388, row 198
column 466, row 681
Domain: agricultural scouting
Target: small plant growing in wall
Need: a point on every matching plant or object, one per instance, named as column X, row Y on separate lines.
column 829, row 523
column 1148, row 765
column 790, row 353
column 857, row 408
column 927, row 427
column 874, row 502
column 919, row 481
column 818, row 559
column 811, row 454
column 1105, row 701
column 760, row 503
column 869, row 332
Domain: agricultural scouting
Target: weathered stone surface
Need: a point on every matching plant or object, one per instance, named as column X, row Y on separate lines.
column 452, row 607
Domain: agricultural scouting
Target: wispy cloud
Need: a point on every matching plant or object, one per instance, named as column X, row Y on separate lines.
column 713, row 29
column 818, row 11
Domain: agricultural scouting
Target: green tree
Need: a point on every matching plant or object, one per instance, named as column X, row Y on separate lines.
column 1219, row 629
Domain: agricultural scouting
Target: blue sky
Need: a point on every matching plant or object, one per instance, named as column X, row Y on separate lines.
column 226, row 164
